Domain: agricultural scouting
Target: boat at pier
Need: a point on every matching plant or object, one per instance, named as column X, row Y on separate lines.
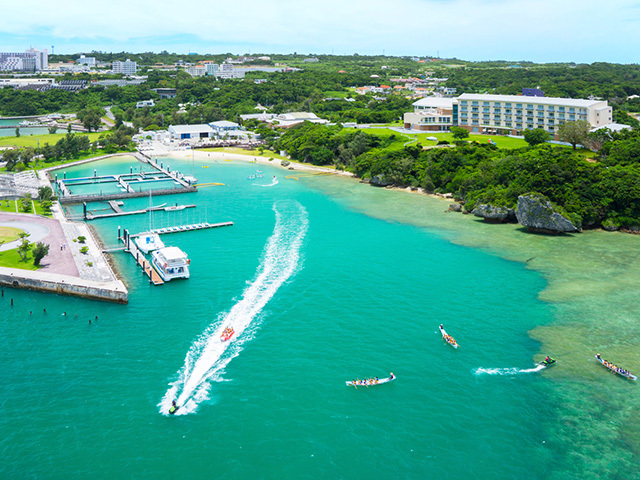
column 149, row 242
column 171, row 262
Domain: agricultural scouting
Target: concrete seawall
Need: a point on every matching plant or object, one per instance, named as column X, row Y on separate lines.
column 114, row 291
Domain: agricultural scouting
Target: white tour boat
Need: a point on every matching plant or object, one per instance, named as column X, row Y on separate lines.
column 171, row 262
column 149, row 242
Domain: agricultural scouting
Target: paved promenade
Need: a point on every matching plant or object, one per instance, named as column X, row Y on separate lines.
column 65, row 270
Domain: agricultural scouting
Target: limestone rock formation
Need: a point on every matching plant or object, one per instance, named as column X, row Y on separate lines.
column 285, row 163
column 538, row 215
column 491, row 213
column 455, row 207
column 379, row 181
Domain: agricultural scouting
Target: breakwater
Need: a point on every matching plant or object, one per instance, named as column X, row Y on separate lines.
column 114, row 291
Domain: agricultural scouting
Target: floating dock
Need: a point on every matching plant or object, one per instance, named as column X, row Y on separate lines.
column 132, row 184
column 147, row 268
column 118, row 212
column 188, row 228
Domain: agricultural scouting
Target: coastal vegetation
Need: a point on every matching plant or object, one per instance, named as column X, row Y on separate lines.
column 600, row 191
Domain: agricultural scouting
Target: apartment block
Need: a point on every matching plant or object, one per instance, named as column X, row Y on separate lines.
column 128, row 67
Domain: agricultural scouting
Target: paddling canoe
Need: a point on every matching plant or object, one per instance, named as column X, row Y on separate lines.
column 371, row 382
column 615, row 369
column 448, row 338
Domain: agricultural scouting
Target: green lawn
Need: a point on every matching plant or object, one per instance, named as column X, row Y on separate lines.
column 10, row 206
column 9, row 234
column 32, row 140
column 11, row 259
column 500, row 140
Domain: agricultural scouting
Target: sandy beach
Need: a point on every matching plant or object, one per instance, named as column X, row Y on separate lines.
column 156, row 149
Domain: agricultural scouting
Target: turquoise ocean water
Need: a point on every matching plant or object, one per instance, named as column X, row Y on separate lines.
column 325, row 280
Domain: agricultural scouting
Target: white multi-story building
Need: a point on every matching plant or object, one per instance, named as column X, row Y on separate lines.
column 226, row 70
column 512, row 114
column 196, row 71
column 431, row 114
column 125, row 68
column 90, row 61
column 212, row 68
column 31, row 60
column 42, row 58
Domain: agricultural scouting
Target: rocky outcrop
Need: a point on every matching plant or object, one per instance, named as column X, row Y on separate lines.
column 455, row 207
column 379, row 181
column 538, row 215
column 285, row 163
column 491, row 213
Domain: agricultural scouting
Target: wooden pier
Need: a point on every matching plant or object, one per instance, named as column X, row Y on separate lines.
column 147, row 268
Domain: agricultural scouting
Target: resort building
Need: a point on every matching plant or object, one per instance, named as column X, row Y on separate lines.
column 432, row 114
column 125, row 68
column 223, row 127
column 191, row 132
column 513, row 114
column 286, row 120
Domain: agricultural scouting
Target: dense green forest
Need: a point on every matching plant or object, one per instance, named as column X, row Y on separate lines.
column 601, row 190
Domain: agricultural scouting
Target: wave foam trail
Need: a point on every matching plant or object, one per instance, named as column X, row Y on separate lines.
column 508, row 371
column 208, row 355
column 274, row 182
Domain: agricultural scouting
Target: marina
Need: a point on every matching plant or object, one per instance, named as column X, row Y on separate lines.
column 298, row 262
column 161, row 180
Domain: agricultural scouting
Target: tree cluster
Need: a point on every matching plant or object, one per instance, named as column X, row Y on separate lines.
column 604, row 191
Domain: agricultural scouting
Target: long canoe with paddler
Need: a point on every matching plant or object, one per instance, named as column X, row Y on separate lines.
column 615, row 368
column 448, row 338
column 371, row 382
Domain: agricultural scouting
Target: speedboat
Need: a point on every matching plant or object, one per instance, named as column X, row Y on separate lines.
column 370, row 382
column 171, row 262
column 615, row 369
column 227, row 334
column 448, row 338
column 149, row 242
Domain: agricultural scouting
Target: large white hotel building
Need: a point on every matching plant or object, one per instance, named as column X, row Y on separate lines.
column 512, row 114
column 505, row 114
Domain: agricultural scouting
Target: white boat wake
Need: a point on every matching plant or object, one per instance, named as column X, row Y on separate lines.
column 508, row 371
column 208, row 355
column 274, row 182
